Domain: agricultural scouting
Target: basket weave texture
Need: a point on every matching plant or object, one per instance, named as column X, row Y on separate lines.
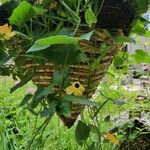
column 80, row 72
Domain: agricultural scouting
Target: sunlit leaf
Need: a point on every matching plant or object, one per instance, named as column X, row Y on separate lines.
column 90, row 17
column 58, row 39
column 139, row 28
column 147, row 34
column 105, row 126
column 24, row 12
column 53, row 40
column 118, row 61
column 141, row 56
column 37, row 47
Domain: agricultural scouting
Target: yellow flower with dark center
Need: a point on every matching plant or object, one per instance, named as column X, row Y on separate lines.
column 6, row 32
column 76, row 89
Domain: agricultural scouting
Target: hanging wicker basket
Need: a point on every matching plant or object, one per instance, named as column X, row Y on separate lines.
column 80, row 72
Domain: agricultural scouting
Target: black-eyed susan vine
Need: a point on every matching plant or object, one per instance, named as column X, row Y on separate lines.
column 6, row 32
column 75, row 89
column 65, row 48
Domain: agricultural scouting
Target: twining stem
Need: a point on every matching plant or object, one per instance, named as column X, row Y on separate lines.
column 97, row 111
column 40, row 129
column 100, row 7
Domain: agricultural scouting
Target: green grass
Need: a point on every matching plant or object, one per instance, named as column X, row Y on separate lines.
column 17, row 124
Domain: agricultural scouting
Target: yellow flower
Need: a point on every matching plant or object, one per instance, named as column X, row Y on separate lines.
column 5, row 30
column 76, row 89
column 111, row 138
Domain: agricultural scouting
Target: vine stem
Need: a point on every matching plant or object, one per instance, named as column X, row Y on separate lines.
column 95, row 114
column 42, row 128
column 75, row 31
column 100, row 7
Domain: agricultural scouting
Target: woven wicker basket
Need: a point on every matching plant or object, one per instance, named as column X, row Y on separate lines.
column 80, row 72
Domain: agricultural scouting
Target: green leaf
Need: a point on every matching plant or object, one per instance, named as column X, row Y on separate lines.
column 104, row 127
column 39, row 93
column 139, row 28
column 122, row 39
column 63, row 54
column 53, row 40
column 147, row 34
column 58, row 39
column 118, row 61
column 61, row 77
column 141, row 56
column 43, row 92
column 90, row 17
column 93, row 128
column 82, row 132
column 25, row 99
column 37, row 47
column 65, row 108
column 86, row 36
column 24, row 12
column 38, row 96
column 81, row 100
column 48, row 90
column 49, row 111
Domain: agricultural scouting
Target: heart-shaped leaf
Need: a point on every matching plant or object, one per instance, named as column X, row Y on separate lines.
column 24, row 12
column 82, row 132
column 90, row 17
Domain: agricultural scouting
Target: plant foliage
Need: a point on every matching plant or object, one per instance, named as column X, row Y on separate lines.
column 52, row 32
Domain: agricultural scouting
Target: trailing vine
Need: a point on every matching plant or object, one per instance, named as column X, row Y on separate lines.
column 65, row 48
